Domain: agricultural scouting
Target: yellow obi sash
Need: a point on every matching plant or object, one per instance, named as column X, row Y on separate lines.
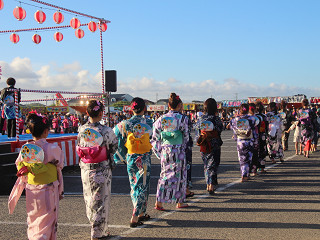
column 40, row 173
column 138, row 145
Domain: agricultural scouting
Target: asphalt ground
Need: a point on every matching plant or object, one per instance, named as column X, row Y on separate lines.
column 284, row 203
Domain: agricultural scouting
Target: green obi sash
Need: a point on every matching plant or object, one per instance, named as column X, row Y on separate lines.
column 172, row 138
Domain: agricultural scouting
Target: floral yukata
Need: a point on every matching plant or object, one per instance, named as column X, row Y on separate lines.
column 274, row 142
column 306, row 118
column 96, row 175
column 43, row 185
column 169, row 141
column 134, row 149
column 211, row 157
column 244, row 132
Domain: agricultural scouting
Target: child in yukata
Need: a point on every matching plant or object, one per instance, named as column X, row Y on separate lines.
column 296, row 137
column 39, row 172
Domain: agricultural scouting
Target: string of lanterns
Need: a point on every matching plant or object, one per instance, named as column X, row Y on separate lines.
column 20, row 14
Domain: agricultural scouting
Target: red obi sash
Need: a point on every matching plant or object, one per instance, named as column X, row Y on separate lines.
column 94, row 154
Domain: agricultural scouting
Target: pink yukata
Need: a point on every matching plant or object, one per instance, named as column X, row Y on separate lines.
column 42, row 201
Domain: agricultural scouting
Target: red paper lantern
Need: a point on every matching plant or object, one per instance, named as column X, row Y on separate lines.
column 1, row 4
column 58, row 17
column 103, row 27
column 92, row 26
column 14, row 38
column 75, row 23
column 19, row 13
column 79, row 33
column 36, row 38
column 39, row 16
column 58, row 36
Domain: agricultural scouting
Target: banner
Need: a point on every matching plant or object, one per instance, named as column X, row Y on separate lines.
column 264, row 100
column 126, row 108
column 25, row 109
column 58, row 109
column 189, row 106
column 315, row 100
column 233, row 103
column 156, row 108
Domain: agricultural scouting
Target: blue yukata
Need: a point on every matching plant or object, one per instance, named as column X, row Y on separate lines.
column 243, row 127
column 134, row 149
column 169, row 141
column 274, row 142
column 211, row 159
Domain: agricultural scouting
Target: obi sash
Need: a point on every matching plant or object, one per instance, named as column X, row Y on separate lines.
column 172, row 138
column 244, row 134
column 94, row 154
column 138, row 145
column 204, row 140
column 40, row 173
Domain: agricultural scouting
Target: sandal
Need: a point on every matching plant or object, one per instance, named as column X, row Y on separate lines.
column 135, row 224
column 143, row 218
column 191, row 194
column 159, row 208
column 182, row 206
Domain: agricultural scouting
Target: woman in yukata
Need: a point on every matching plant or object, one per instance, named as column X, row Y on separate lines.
column 243, row 127
column 307, row 120
column 134, row 149
column 169, row 140
column 208, row 135
column 39, row 172
column 96, row 145
column 274, row 142
column 262, row 137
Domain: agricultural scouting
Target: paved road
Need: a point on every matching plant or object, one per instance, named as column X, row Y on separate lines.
column 282, row 204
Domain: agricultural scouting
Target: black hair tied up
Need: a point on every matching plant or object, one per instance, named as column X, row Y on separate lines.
column 174, row 100
column 37, row 124
column 138, row 105
column 94, row 108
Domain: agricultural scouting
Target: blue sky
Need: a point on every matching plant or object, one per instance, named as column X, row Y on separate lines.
column 198, row 48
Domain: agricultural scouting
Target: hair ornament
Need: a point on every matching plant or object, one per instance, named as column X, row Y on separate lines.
column 251, row 108
column 133, row 105
column 244, row 109
column 96, row 108
column 44, row 120
column 177, row 97
column 98, row 102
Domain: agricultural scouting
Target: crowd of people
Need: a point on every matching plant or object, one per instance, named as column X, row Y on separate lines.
column 258, row 131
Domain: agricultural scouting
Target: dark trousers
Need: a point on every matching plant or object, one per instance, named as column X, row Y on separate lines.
column 1, row 125
column 11, row 127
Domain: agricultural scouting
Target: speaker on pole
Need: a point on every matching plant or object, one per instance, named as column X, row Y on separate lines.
column 110, row 81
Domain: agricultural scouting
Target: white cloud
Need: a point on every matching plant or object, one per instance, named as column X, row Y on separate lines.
column 72, row 77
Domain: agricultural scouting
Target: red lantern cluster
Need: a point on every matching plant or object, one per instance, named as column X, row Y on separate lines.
column 36, row 38
column 14, row 38
column 75, row 23
column 40, row 16
column 58, row 36
column 103, row 27
column 1, row 4
column 58, row 17
column 92, row 26
column 19, row 13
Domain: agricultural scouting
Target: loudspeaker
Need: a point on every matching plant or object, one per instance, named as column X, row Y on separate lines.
column 110, row 81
